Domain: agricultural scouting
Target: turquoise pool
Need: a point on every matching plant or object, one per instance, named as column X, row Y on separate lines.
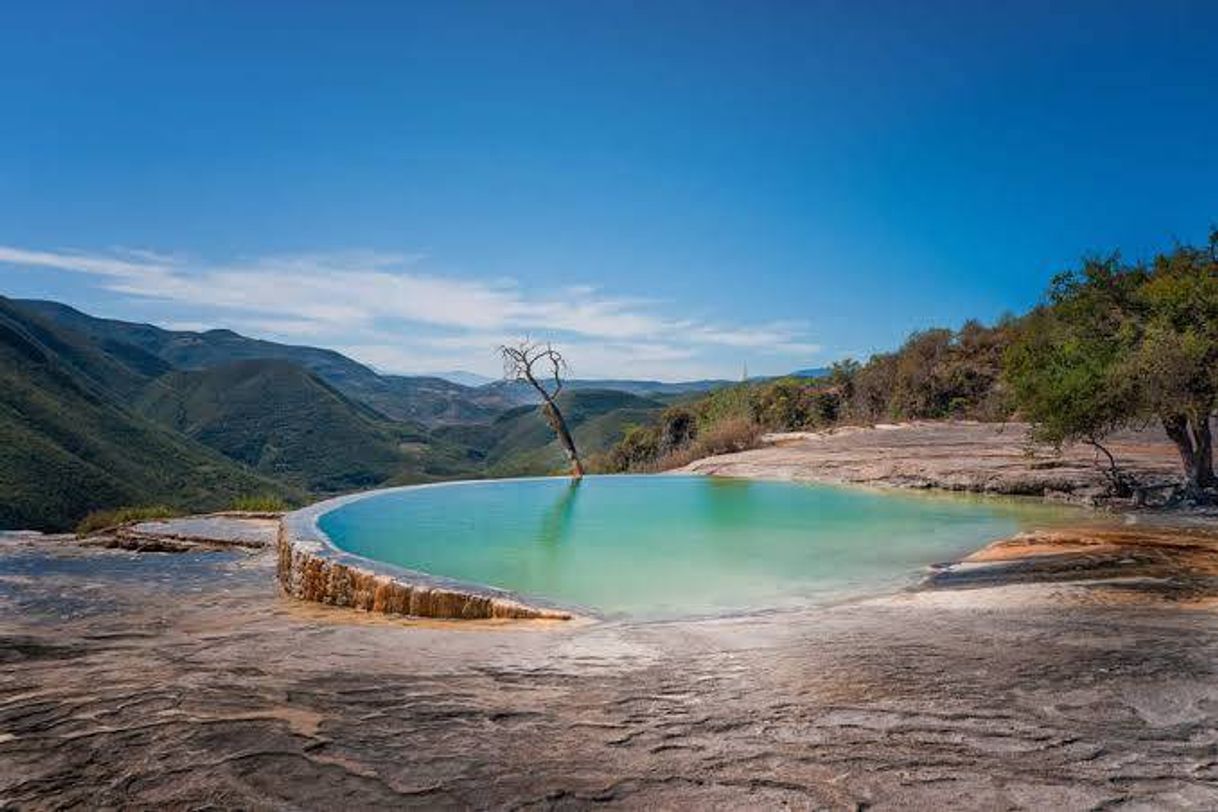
column 669, row 546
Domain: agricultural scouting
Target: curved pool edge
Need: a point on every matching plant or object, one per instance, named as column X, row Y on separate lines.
column 311, row 568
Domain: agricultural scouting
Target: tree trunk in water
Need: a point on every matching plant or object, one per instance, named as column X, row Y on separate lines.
column 555, row 419
column 1194, row 441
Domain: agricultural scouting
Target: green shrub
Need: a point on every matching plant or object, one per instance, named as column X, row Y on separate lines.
column 725, row 437
column 636, row 451
column 724, row 404
column 678, row 427
column 264, row 503
column 105, row 519
column 936, row 374
column 651, row 448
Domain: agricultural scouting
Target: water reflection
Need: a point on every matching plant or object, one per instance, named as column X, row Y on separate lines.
column 726, row 502
column 556, row 523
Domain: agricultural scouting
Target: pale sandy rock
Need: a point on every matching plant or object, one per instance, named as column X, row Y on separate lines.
column 190, row 681
column 958, row 456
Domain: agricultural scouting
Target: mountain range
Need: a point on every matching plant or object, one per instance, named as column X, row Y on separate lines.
column 99, row 413
column 71, row 443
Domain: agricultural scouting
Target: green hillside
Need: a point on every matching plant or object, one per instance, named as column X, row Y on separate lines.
column 69, row 446
column 98, row 413
column 431, row 401
column 520, row 442
column 427, row 400
column 287, row 423
column 187, row 349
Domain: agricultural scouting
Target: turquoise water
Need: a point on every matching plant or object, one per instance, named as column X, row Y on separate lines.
column 664, row 546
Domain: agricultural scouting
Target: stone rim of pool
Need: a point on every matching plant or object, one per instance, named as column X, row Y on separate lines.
column 313, row 567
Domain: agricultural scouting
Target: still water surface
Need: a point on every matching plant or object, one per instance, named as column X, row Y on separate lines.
column 672, row 546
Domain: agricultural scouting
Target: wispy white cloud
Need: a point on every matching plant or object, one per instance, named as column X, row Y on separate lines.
column 140, row 266
column 383, row 308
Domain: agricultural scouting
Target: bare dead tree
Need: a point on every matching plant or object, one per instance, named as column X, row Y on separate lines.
column 538, row 364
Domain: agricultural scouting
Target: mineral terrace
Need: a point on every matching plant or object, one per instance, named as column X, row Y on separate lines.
column 956, row 456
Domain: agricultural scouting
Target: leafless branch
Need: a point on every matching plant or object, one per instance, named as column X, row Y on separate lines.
column 530, row 360
column 533, row 361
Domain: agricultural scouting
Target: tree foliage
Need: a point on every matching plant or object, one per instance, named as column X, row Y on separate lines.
column 1117, row 344
column 1113, row 345
column 938, row 373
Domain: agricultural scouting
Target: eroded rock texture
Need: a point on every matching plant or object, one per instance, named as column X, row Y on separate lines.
column 957, row 456
column 212, row 532
column 187, row 680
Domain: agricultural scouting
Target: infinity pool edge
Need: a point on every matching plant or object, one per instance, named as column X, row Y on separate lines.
column 311, row 568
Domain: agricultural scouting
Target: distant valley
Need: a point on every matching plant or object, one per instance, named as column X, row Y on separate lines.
column 97, row 413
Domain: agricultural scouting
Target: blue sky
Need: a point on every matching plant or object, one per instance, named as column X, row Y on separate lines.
column 667, row 189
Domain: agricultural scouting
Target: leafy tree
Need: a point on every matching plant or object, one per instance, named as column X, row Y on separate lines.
column 872, row 387
column 782, row 404
column 1069, row 387
column 1118, row 344
column 1176, row 356
column 920, row 387
column 678, row 427
column 638, row 449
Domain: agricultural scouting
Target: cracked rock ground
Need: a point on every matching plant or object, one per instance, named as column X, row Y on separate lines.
column 187, row 680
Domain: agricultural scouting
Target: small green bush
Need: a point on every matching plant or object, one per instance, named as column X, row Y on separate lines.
column 104, row 519
column 264, row 503
column 725, row 437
